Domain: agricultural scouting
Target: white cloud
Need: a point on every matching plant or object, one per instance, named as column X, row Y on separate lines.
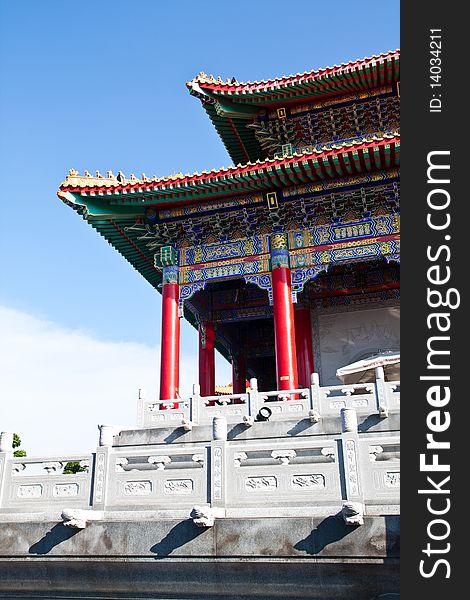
column 57, row 385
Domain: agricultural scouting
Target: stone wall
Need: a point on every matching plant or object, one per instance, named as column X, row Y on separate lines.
column 291, row 495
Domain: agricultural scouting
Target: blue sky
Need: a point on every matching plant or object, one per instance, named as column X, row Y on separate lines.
column 101, row 85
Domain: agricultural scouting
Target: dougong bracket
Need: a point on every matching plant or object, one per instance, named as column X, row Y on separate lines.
column 264, row 282
column 187, row 291
column 301, row 276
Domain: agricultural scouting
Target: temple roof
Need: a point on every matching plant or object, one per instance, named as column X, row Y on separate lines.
column 331, row 161
column 232, row 105
column 116, row 206
column 369, row 71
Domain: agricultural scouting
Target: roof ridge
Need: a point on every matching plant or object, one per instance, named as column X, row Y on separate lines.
column 202, row 78
column 74, row 179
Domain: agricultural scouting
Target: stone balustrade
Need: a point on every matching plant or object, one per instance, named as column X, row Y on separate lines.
column 35, row 484
column 380, row 397
column 311, row 475
column 304, row 479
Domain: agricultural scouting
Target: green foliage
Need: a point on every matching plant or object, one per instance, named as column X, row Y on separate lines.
column 72, row 467
column 17, row 444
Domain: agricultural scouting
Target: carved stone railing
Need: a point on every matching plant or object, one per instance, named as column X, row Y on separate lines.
column 38, row 483
column 267, row 476
column 304, row 471
column 159, row 478
column 379, row 397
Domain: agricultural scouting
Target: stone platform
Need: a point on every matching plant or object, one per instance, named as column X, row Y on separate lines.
column 225, row 500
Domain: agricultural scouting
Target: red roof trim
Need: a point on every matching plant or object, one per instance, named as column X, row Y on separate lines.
column 227, row 174
column 271, row 84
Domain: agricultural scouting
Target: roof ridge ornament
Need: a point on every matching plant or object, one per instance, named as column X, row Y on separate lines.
column 74, row 179
column 287, row 79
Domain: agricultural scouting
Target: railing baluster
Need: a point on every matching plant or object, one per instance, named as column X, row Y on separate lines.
column 195, row 404
column 314, row 397
column 382, row 400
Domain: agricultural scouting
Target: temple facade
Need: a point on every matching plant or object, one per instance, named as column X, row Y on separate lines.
column 287, row 263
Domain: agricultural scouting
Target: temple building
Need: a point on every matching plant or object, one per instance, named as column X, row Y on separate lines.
column 287, row 262
column 286, row 483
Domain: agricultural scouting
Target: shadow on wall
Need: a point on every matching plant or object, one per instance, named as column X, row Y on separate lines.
column 181, row 534
column 392, row 532
column 333, row 529
column 330, row 530
column 174, row 435
column 58, row 534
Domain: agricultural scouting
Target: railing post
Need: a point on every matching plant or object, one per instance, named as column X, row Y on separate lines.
column 6, row 453
column 101, row 466
column 218, row 479
column 314, row 397
column 353, row 499
column 381, row 391
column 140, row 408
column 253, row 398
column 6, row 442
column 219, row 429
column 348, row 420
column 195, row 404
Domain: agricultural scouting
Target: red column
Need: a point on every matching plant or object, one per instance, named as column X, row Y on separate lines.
column 170, row 347
column 207, row 358
column 284, row 330
column 239, row 374
column 303, row 340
